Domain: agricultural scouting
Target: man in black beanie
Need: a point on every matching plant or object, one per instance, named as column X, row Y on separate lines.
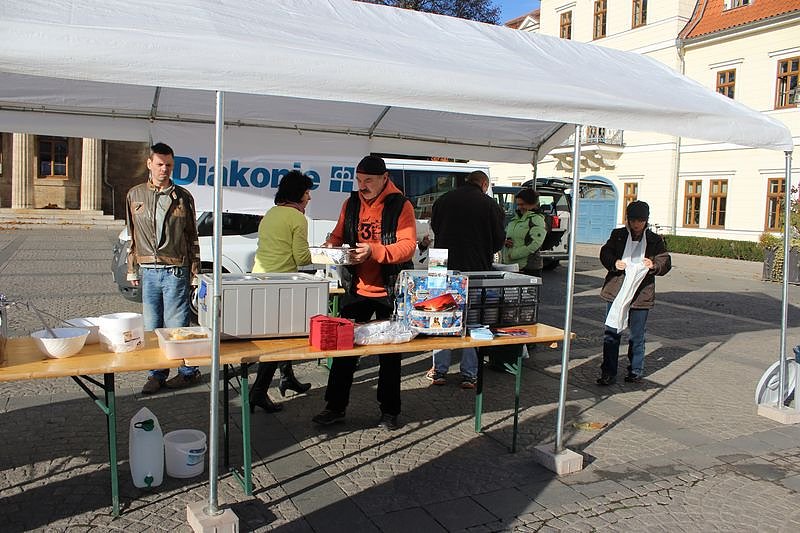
column 378, row 223
column 633, row 256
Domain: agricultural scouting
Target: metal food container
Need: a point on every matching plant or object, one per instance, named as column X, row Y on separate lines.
column 337, row 255
column 264, row 305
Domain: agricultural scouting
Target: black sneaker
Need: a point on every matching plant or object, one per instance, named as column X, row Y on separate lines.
column 605, row 381
column 388, row 422
column 633, row 378
column 328, row 417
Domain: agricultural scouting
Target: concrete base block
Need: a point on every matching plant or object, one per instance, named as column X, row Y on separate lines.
column 566, row 462
column 783, row 416
column 200, row 522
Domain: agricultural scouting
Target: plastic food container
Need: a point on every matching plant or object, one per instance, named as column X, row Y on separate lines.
column 175, row 344
column 92, row 323
column 337, row 255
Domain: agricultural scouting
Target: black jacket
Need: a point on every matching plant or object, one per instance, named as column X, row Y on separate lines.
column 470, row 225
column 655, row 250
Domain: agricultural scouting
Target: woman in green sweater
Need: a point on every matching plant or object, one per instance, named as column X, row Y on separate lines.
column 525, row 234
column 282, row 247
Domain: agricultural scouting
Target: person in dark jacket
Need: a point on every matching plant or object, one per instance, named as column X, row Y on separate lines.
column 619, row 255
column 470, row 225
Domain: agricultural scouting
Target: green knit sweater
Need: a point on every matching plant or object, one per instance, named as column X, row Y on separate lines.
column 282, row 241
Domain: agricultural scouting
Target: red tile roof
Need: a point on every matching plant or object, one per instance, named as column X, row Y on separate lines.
column 710, row 16
column 517, row 22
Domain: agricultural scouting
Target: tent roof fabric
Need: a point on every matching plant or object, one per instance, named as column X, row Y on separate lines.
column 344, row 67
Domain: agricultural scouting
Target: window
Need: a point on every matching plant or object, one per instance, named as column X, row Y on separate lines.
column 717, row 199
column 639, row 13
column 726, row 80
column 730, row 4
column 599, row 19
column 630, row 194
column 788, row 94
column 566, row 25
column 691, row 203
column 52, row 157
column 776, row 192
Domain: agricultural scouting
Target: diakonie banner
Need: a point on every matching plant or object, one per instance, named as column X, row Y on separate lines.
column 255, row 160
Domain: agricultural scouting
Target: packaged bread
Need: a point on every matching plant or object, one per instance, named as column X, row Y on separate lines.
column 181, row 334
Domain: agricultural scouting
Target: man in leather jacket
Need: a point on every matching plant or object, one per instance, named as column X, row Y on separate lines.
column 164, row 257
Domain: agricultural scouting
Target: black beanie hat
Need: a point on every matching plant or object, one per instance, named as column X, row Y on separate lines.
column 372, row 165
column 638, row 210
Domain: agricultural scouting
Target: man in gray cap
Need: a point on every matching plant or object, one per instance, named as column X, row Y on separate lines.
column 633, row 256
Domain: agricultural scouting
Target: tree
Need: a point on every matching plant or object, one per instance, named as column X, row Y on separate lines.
column 479, row 10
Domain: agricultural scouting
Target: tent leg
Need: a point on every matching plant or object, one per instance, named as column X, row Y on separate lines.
column 558, row 459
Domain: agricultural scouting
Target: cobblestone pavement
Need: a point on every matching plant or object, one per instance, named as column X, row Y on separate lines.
column 683, row 451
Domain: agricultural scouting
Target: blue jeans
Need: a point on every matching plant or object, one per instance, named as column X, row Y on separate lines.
column 165, row 304
column 469, row 361
column 637, row 320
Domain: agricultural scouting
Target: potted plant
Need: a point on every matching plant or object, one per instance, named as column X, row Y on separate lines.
column 772, row 244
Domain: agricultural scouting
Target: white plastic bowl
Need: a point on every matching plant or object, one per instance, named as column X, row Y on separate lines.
column 68, row 341
column 92, row 323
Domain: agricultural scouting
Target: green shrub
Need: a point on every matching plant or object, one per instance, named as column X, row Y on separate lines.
column 684, row 244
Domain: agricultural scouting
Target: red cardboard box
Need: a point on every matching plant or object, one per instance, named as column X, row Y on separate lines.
column 329, row 333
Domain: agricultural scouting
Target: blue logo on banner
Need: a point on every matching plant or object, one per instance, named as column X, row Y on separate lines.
column 342, row 179
column 187, row 171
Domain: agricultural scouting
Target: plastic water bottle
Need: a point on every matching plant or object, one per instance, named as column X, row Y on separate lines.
column 146, row 449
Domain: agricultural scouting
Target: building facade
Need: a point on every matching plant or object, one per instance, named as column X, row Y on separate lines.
column 46, row 172
column 744, row 49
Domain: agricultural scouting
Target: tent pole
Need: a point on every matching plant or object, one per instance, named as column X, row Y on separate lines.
column 573, row 225
column 216, row 311
column 787, row 239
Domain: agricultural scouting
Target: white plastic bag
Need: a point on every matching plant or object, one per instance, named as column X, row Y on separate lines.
column 382, row 332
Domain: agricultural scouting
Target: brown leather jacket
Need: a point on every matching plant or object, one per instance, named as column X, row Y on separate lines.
column 179, row 245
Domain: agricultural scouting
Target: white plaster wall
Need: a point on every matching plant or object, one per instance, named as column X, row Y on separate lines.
column 651, row 159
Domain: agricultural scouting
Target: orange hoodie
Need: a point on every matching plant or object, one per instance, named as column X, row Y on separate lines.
column 369, row 281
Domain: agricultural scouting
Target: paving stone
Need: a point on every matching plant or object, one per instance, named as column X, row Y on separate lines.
column 408, row 520
column 677, row 455
column 459, row 514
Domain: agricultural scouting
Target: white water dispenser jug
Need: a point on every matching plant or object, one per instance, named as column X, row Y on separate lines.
column 146, row 449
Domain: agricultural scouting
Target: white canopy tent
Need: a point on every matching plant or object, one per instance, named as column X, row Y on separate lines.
column 364, row 77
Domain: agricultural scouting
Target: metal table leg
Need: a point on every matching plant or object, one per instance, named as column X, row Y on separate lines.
column 245, row 479
column 517, row 388
column 226, row 455
column 479, row 393
column 109, row 408
column 246, row 449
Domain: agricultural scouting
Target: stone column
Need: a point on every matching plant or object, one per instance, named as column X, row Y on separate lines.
column 91, row 174
column 23, row 153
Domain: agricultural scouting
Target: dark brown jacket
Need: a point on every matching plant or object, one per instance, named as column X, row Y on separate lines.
column 655, row 250
column 179, row 245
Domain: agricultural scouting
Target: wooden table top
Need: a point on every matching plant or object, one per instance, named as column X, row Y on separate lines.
column 297, row 348
column 24, row 361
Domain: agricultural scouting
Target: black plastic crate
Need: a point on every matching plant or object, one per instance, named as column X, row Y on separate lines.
column 503, row 298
